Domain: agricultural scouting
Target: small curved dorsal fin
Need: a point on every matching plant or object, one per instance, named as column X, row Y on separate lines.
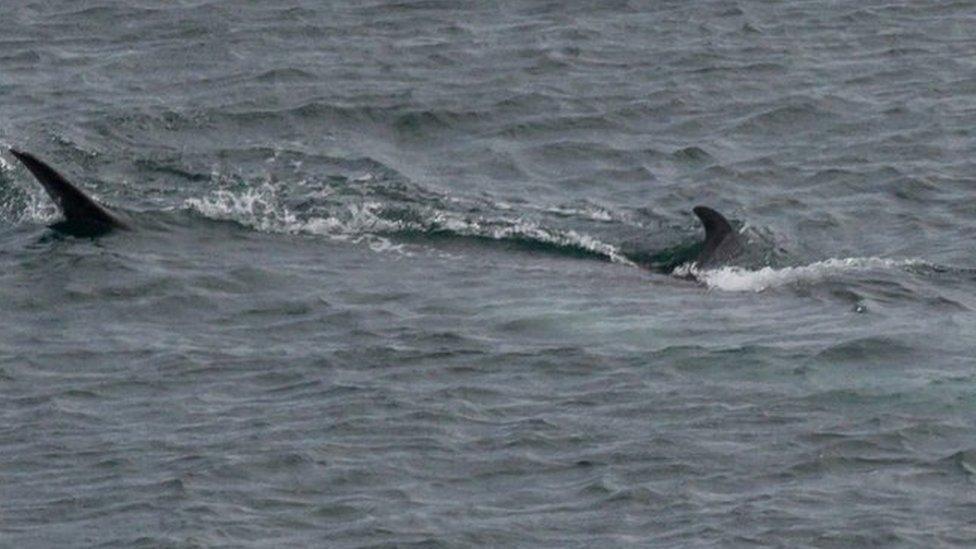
column 82, row 214
column 717, row 229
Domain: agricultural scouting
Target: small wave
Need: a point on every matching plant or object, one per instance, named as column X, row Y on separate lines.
column 287, row 74
column 802, row 115
column 738, row 279
column 593, row 213
column 526, row 231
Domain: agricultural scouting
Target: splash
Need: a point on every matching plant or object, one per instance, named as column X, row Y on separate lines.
column 738, row 279
column 261, row 208
column 19, row 205
column 258, row 208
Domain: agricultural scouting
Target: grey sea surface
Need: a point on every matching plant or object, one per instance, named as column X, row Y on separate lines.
column 392, row 281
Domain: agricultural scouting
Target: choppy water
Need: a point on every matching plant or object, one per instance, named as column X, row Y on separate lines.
column 388, row 284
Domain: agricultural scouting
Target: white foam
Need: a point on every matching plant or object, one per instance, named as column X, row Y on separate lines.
column 530, row 231
column 260, row 209
column 256, row 208
column 22, row 205
column 738, row 279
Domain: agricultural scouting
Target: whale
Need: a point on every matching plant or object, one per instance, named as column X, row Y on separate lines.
column 721, row 245
column 84, row 217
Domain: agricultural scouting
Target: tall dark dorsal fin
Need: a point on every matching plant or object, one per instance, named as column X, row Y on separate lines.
column 83, row 216
column 719, row 236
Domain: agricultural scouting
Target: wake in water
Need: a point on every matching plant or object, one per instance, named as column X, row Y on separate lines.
column 341, row 209
column 409, row 214
column 739, row 279
column 376, row 221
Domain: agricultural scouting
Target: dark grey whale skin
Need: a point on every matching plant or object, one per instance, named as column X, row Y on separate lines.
column 721, row 244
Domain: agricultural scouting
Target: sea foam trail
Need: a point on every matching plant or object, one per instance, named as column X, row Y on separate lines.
column 260, row 209
column 738, row 279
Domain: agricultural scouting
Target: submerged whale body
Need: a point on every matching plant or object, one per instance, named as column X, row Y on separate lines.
column 86, row 218
column 82, row 215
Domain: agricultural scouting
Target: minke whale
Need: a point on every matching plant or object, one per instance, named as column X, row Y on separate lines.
column 86, row 218
column 82, row 215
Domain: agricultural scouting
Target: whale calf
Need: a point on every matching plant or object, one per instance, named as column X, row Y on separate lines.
column 86, row 218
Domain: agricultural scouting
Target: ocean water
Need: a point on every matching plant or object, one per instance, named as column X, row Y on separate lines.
column 395, row 279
